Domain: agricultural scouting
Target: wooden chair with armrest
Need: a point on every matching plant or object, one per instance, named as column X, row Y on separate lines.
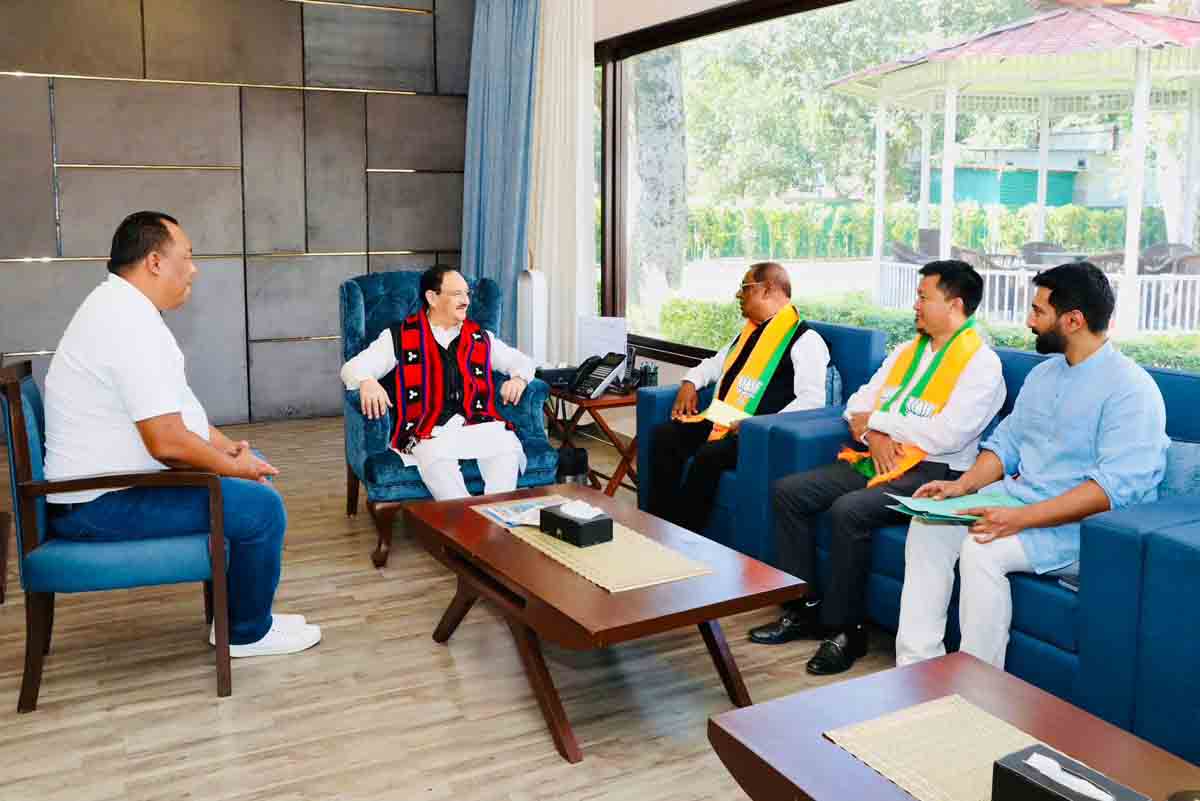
column 51, row 565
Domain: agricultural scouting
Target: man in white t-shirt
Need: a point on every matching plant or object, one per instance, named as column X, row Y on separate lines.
column 117, row 400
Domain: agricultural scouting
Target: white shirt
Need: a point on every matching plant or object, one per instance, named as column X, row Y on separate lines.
column 810, row 361
column 379, row 358
column 117, row 364
column 950, row 437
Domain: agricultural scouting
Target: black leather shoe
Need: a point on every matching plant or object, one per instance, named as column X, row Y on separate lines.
column 792, row 626
column 837, row 654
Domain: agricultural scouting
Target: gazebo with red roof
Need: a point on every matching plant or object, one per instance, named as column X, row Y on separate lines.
column 1080, row 56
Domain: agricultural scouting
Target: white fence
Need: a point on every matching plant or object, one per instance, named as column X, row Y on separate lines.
column 1166, row 303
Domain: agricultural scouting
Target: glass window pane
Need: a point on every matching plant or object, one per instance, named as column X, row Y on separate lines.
column 740, row 149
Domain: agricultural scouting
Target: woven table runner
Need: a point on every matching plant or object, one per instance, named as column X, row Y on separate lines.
column 941, row 750
column 630, row 561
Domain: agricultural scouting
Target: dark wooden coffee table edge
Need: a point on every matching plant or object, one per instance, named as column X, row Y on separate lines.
column 1106, row 747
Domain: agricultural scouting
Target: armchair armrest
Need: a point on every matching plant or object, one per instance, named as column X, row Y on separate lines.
column 149, row 478
column 528, row 415
column 803, row 441
column 762, row 459
column 1112, row 570
column 654, row 408
column 363, row 437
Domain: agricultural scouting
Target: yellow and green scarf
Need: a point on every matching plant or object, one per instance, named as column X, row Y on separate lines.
column 927, row 398
column 747, row 388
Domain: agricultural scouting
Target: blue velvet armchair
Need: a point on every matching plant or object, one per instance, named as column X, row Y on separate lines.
column 742, row 517
column 50, row 565
column 369, row 305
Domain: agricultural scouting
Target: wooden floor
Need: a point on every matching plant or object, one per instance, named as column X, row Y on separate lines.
column 378, row 710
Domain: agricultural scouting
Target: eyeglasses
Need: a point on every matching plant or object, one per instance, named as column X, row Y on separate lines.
column 745, row 286
column 462, row 294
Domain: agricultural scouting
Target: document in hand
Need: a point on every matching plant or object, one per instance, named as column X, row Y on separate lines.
column 724, row 414
column 951, row 510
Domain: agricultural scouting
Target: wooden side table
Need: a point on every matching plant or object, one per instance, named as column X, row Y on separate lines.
column 595, row 407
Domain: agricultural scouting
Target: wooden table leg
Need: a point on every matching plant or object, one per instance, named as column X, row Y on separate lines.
column 718, row 649
column 625, row 467
column 627, row 455
column 464, row 598
column 529, row 646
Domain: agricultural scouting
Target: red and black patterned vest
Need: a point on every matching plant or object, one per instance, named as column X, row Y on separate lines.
column 420, row 379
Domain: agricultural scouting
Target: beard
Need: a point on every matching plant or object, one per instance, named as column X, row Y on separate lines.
column 1051, row 341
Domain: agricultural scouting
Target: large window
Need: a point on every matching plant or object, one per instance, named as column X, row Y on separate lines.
column 743, row 146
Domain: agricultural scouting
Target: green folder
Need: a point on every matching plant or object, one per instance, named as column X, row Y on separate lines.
column 951, row 510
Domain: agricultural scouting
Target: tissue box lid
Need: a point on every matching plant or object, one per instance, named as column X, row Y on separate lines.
column 1014, row 780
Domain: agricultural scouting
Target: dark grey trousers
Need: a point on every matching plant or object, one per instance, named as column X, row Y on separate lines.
column 857, row 511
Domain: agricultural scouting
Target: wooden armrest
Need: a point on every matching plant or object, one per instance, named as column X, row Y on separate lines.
column 149, row 478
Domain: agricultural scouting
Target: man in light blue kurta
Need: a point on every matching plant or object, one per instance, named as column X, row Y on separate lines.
column 1087, row 434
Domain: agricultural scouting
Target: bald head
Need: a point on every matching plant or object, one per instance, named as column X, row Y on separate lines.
column 773, row 276
column 765, row 290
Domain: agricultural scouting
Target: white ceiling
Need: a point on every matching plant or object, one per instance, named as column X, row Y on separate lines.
column 615, row 17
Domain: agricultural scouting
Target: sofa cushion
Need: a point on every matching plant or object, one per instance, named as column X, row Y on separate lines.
column 1183, row 470
column 63, row 565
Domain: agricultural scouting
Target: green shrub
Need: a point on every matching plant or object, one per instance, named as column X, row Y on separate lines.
column 846, row 230
column 709, row 324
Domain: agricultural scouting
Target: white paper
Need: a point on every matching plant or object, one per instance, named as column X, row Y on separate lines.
column 598, row 336
column 1052, row 770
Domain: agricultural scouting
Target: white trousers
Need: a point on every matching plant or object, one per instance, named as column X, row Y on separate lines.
column 985, row 596
column 498, row 452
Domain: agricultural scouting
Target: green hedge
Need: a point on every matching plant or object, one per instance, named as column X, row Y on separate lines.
column 713, row 325
column 845, row 230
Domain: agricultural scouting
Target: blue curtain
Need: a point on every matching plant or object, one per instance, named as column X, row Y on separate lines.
column 496, row 183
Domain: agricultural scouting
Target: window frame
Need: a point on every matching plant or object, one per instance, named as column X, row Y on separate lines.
column 610, row 55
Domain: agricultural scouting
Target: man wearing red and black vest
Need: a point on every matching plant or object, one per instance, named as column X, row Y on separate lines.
column 435, row 368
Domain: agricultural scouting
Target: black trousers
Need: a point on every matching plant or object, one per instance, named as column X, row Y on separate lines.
column 857, row 511
column 689, row 502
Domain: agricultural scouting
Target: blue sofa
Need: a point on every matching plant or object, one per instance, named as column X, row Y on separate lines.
column 369, row 305
column 1126, row 646
column 741, row 516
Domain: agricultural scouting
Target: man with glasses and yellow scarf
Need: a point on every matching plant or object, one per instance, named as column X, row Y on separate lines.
column 919, row 419
column 776, row 364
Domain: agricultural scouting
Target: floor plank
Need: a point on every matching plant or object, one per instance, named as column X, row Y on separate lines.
column 129, row 711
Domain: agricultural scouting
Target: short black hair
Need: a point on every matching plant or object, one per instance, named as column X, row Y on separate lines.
column 1080, row 286
column 957, row 279
column 137, row 236
column 431, row 280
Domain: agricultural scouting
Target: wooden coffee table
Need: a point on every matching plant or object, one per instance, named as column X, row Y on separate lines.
column 542, row 599
column 777, row 750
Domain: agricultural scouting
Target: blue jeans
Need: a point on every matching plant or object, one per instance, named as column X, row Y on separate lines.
column 255, row 522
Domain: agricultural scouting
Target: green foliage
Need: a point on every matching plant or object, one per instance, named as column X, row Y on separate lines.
column 713, row 325
column 844, row 230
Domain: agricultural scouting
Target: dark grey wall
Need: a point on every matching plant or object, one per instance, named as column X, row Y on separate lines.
column 224, row 114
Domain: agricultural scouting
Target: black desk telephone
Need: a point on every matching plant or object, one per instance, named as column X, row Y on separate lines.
column 595, row 374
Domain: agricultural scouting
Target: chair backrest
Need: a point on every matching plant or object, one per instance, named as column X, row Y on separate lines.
column 372, row 303
column 24, row 436
column 856, row 352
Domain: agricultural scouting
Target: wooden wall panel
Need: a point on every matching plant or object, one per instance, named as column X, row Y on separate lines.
column 26, row 170
column 273, row 170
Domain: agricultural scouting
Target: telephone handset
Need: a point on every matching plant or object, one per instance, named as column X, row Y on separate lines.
column 595, row 374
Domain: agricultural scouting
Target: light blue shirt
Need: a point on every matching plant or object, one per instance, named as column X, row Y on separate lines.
column 1102, row 420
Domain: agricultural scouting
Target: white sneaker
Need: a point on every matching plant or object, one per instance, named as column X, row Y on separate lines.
column 277, row 619
column 279, row 640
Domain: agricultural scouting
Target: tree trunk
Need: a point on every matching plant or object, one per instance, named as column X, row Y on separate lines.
column 660, row 222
